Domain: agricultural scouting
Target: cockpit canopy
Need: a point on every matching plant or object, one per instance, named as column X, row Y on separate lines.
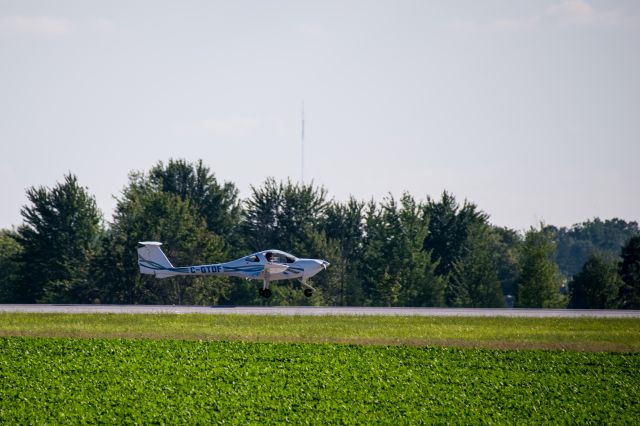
column 275, row 256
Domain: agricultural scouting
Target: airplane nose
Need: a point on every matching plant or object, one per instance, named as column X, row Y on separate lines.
column 315, row 266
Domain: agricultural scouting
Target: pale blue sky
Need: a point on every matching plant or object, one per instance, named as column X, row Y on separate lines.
column 531, row 109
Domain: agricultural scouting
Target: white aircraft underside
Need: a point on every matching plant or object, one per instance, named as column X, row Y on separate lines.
column 267, row 265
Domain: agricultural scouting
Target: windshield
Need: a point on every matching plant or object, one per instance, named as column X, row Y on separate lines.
column 279, row 257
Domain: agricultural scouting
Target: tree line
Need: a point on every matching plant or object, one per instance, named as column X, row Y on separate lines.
column 393, row 252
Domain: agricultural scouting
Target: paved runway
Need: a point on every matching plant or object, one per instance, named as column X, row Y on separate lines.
column 318, row 310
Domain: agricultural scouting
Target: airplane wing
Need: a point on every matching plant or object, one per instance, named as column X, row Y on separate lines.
column 275, row 268
column 258, row 271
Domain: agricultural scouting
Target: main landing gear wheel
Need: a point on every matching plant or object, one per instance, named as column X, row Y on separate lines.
column 308, row 292
column 264, row 292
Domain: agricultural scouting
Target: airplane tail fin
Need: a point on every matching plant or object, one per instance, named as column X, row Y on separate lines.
column 152, row 260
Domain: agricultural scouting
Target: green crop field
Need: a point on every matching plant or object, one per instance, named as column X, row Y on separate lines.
column 56, row 380
column 118, row 368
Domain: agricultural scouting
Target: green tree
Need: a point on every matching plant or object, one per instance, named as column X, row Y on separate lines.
column 260, row 216
column 474, row 278
column 420, row 284
column 146, row 215
column 183, row 205
column 396, row 270
column 575, row 244
column 216, row 203
column 380, row 261
column 449, row 227
column 538, row 281
column 506, row 252
column 629, row 269
column 283, row 215
column 10, row 251
column 343, row 225
column 597, row 285
column 58, row 237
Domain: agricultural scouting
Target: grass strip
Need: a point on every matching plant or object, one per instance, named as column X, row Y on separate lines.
column 576, row 334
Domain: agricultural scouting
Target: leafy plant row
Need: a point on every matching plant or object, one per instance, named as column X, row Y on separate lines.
column 171, row 381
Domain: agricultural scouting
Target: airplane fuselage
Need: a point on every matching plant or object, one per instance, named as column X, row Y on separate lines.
column 268, row 265
column 246, row 269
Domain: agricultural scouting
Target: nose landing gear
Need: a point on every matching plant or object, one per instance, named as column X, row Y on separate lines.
column 308, row 290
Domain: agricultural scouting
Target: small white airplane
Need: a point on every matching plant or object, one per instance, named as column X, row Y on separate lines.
column 267, row 265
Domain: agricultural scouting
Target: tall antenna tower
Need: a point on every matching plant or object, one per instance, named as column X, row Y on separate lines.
column 302, row 147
